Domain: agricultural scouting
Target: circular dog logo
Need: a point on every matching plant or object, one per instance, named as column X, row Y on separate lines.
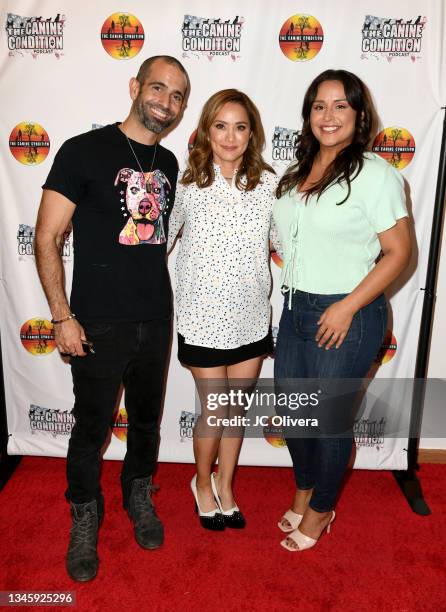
column 274, row 435
column 277, row 259
column 122, row 36
column 29, row 143
column 388, row 348
column 120, row 425
column 37, row 336
column 301, row 38
column 396, row 145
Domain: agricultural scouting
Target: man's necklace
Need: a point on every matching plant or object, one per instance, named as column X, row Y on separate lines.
column 148, row 185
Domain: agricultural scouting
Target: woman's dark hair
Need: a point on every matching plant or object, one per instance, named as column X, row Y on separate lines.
column 348, row 163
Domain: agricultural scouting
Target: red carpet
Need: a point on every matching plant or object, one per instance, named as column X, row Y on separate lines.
column 379, row 556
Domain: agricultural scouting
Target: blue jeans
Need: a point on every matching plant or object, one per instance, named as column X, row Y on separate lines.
column 320, row 462
column 134, row 355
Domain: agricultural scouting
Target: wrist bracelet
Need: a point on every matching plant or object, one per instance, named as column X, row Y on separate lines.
column 70, row 316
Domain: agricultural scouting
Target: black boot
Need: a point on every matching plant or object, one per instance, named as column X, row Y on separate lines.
column 82, row 560
column 149, row 532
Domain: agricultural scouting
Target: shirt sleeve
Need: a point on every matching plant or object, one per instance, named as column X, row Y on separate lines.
column 275, row 238
column 65, row 174
column 177, row 216
column 389, row 205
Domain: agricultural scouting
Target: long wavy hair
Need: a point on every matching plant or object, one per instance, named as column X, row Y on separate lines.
column 200, row 169
column 348, row 162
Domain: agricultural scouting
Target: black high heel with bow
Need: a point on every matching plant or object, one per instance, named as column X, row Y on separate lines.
column 233, row 517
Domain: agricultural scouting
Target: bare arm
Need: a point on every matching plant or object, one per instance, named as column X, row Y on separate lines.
column 54, row 215
column 336, row 320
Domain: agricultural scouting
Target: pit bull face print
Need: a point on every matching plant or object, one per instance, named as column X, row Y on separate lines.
column 143, row 204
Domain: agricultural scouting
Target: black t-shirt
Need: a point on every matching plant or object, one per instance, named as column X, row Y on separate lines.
column 119, row 226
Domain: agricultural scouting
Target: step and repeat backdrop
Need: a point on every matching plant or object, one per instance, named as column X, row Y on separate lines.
column 64, row 69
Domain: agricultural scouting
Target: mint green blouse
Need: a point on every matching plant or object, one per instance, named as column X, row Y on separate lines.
column 329, row 249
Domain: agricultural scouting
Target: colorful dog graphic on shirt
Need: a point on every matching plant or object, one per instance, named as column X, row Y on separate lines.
column 145, row 201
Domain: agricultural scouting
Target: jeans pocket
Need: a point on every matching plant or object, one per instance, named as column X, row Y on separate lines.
column 101, row 360
column 96, row 330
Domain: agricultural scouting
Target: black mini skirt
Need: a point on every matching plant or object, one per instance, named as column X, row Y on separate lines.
column 205, row 357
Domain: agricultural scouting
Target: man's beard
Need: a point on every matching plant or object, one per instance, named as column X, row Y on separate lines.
column 151, row 123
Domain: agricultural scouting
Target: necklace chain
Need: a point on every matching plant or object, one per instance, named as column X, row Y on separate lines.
column 136, row 157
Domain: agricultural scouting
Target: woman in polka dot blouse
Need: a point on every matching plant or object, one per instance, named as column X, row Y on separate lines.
column 223, row 205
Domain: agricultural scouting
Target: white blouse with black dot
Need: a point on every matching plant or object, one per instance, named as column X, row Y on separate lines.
column 223, row 279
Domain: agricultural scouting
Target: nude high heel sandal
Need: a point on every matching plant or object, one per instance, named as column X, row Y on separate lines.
column 303, row 542
column 294, row 520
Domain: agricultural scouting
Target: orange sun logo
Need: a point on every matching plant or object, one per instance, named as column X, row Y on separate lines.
column 388, row 348
column 37, row 336
column 396, row 145
column 120, row 425
column 274, row 435
column 122, row 36
column 29, row 143
column 301, row 38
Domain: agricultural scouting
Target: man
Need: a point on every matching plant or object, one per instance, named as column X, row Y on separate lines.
column 117, row 186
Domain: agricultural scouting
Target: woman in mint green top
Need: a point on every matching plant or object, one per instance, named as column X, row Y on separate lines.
column 339, row 207
column 330, row 248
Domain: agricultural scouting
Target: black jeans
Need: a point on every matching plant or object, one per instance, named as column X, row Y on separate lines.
column 320, row 462
column 134, row 354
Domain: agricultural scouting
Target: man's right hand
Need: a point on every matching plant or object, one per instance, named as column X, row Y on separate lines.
column 69, row 336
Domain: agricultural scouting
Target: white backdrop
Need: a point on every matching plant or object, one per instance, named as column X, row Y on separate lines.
column 58, row 80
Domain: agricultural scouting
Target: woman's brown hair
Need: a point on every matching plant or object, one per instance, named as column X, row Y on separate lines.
column 200, row 169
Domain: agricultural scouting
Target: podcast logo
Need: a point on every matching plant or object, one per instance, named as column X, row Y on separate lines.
column 284, row 144
column 29, row 143
column 396, row 145
column 122, row 36
column 25, row 241
column 388, row 348
column 47, row 420
column 301, row 38
column 37, row 336
column 35, row 35
column 369, row 433
column 212, row 36
column 273, row 434
column 389, row 38
column 187, row 422
column 120, row 425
